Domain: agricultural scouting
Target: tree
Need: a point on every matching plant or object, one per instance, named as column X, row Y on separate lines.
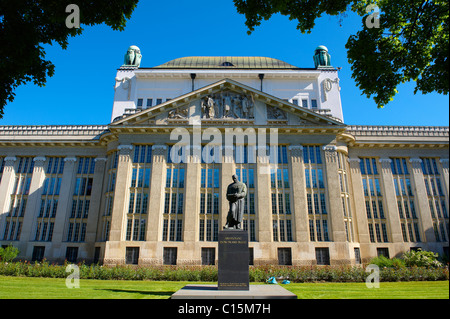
column 411, row 42
column 27, row 25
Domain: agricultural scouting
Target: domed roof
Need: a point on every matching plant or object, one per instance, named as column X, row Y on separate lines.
column 226, row 62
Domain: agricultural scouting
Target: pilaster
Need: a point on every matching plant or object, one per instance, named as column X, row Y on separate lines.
column 299, row 200
column 192, row 196
column 156, row 200
column 6, row 187
column 263, row 196
column 33, row 200
column 121, row 193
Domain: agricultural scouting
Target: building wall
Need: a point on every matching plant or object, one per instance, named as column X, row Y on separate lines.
column 104, row 233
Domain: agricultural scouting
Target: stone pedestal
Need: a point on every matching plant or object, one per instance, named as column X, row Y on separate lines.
column 233, row 260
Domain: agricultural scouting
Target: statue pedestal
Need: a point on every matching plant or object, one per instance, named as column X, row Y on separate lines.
column 233, row 260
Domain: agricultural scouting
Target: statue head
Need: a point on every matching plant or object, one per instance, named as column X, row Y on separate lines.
column 235, row 178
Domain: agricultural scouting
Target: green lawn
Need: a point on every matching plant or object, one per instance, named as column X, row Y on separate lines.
column 43, row 288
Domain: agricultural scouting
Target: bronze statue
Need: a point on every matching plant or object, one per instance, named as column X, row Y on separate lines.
column 236, row 194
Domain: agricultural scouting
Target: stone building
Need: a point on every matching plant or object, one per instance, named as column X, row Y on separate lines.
column 149, row 188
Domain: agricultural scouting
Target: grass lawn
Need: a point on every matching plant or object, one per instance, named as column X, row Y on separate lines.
column 43, row 288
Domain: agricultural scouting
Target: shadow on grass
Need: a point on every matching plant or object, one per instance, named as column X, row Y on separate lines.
column 148, row 293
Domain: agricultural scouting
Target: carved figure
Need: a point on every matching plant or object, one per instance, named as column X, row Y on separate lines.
column 133, row 56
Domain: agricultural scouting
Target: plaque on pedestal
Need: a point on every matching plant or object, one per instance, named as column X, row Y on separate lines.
column 233, row 260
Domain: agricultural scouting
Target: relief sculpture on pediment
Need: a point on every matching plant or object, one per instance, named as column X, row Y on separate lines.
column 228, row 105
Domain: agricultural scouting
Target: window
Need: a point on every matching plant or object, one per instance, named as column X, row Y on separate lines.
column 149, row 103
column 305, row 104
column 357, row 256
column 139, row 193
column 284, row 257
column 245, row 171
column 316, row 194
column 209, row 199
column 383, row 252
column 314, row 104
column 436, row 198
column 170, row 256
column 159, row 101
column 345, row 195
column 374, row 201
column 18, row 199
column 174, row 203
column 113, row 160
column 208, row 256
column 38, row 253
column 140, row 103
column 81, row 200
column 132, row 255
column 281, row 194
column 405, row 200
column 323, row 256
column 72, row 254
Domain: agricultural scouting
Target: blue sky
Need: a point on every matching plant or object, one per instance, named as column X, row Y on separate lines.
column 82, row 90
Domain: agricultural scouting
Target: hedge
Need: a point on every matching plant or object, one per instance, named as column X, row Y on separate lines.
column 209, row 273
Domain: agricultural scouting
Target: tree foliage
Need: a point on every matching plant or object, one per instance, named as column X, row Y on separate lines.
column 410, row 44
column 27, row 25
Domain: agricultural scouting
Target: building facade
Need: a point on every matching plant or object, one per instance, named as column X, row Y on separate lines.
column 149, row 188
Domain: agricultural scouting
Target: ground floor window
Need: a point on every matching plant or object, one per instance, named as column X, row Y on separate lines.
column 38, row 253
column 132, row 255
column 323, row 256
column 208, row 256
column 170, row 256
column 383, row 252
column 284, row 256
column 72, row 254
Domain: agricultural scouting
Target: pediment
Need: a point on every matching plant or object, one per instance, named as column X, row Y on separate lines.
column 227, row 103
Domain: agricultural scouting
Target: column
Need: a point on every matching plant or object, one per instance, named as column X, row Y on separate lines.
column 421, row 198
column 33, row 200
column 390, row 201
column 444, row 173
column 263, row 195
column 6, row 187
column 334, row 195
column 120, row 193
column 192, row 195
column 64, row 201
column 299, row 194
column 157, row 193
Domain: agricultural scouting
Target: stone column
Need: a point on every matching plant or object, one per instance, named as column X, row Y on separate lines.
column 390, row 202
column 6, row 187
column 192, row 195
column 422, row 200
column 334, row 195
column 33, row 203
column 299, row 200
column 263, row 192
column 444, row 173
column 157, row 193
column 121, row 194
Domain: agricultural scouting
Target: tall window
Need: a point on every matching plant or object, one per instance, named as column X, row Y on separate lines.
column 345, row 195
column 81, row 200
column 281, row 195
column 405, row 200
column 174, row 202
column 18, row 199
column 374, row 200
column 139, row 193
column 113, row 159
column 316, row 194
column 209, row 198
column 245, row 170
column 436, row 198
column 49, row 199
